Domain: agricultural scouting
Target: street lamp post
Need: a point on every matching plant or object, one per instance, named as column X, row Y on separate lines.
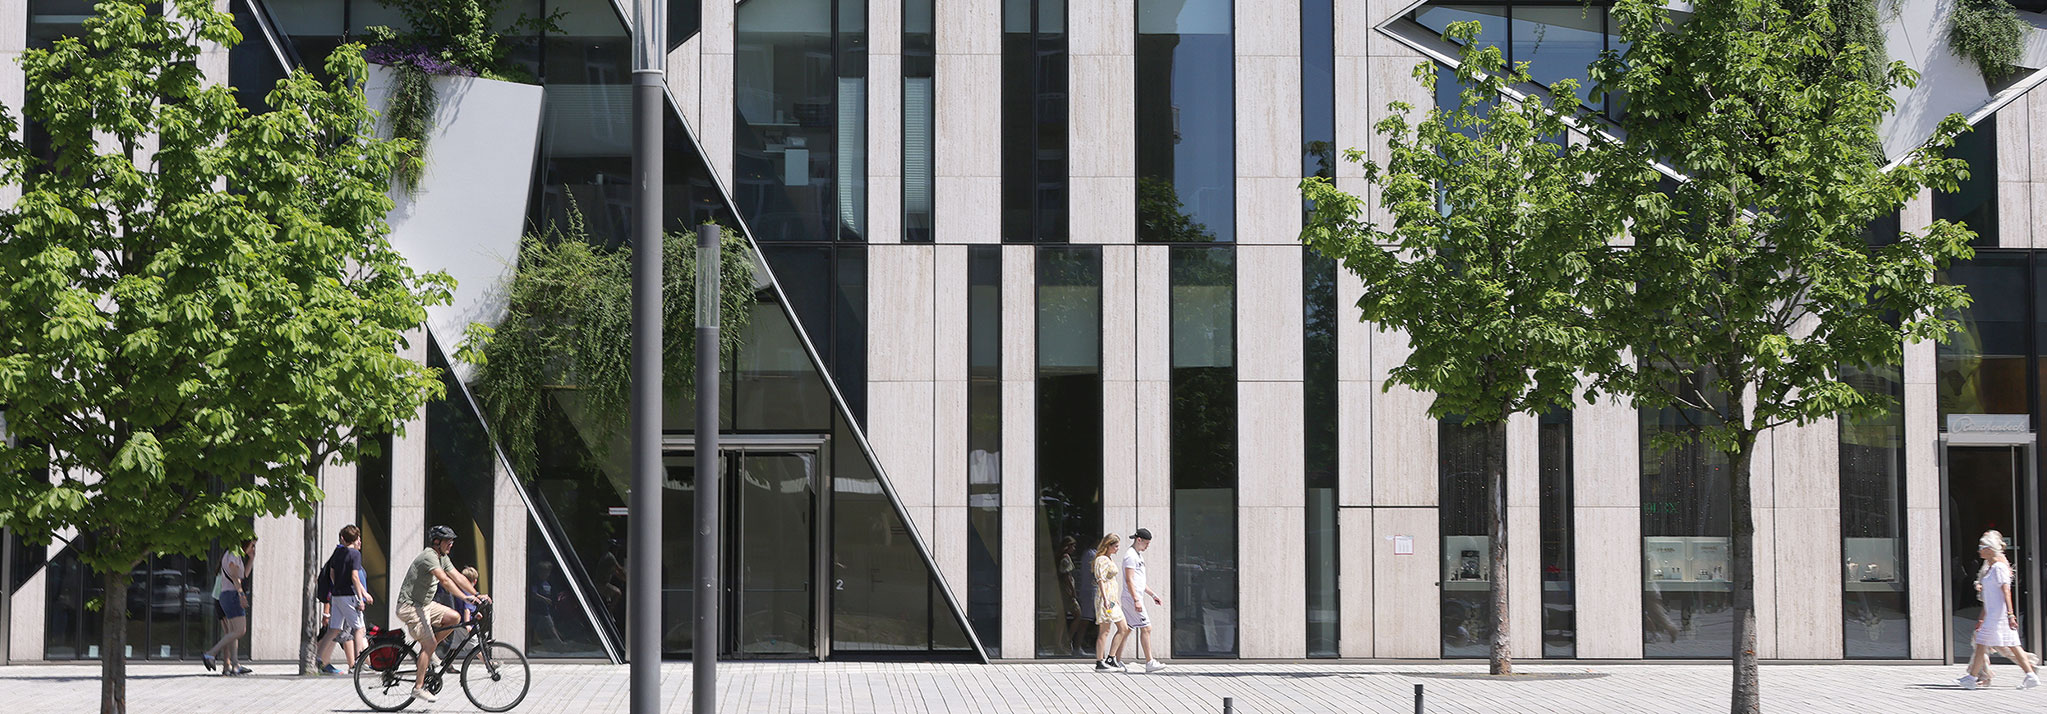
column 644, row 548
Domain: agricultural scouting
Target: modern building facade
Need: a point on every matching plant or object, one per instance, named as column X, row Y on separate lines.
column 1031, row 274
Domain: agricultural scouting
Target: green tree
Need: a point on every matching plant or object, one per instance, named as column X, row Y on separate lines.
column 1750, row 284
column 198, row 306
column 1485, row 265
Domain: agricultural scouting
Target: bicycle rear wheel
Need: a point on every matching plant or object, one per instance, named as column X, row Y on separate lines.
column 496, row 677
column 385, row 690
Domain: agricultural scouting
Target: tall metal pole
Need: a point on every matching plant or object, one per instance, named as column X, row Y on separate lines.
column 704, row 660
column 644, row 555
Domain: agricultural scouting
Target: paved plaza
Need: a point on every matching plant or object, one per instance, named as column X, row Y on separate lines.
column 892, row 688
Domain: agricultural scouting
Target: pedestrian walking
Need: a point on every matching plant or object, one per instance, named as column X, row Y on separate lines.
column 347, row 597
column 1134, row 592
column 1108, row 612
column 231, row 602
column 1997, row 630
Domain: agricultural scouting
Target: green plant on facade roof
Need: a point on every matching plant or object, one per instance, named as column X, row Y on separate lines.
column 1988, row 33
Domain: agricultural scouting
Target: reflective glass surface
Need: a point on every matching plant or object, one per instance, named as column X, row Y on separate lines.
column 1558, row 43
column 984, row 444
column 918, row 99
column 800, row 98
column 1069, row 446
column 1974, row 201
column 1204, row 451
column 1321, row 312
column 1687, row 599
column 1186, row 106
column 1875, row 621
column 168, row 608
column 373, row 519
column 1034, row 121
column 1465, row 507
column 1559, row 591
column 883, row 596
column 461, row 474
column 1982, row 367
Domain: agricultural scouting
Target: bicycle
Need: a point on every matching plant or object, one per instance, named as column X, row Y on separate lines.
column 494, row 675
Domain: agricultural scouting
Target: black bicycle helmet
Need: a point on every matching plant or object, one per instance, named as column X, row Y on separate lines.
column 440, row 533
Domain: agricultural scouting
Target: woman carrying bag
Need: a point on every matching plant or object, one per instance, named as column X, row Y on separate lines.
column 1998, row 630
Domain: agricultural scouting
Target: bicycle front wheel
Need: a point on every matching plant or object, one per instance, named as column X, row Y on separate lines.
column 388, row 689
column 496, row 677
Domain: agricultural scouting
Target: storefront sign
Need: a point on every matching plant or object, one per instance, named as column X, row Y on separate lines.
column 1988, row 424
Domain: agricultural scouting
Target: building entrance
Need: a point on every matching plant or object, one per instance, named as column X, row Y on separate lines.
column 769, row 519
column 1989, row 486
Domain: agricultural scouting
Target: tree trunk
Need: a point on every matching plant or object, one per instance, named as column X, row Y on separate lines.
column 113, row 643
column 1747, row 695
column 1496, row 474
column 310, row 624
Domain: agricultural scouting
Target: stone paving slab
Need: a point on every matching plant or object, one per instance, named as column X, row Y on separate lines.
column 1070, row 688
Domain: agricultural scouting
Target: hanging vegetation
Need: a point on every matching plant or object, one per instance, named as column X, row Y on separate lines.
column 449, row 38
column 1988, row 33
column 568, row 327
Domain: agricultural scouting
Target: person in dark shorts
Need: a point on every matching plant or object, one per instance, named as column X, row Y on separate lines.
column 231, row 602
column 347, row 596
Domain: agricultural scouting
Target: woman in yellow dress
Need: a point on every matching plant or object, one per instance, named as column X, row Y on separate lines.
column 1107, row 613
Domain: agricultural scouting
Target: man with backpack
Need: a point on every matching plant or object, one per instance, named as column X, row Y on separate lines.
column 340, row 582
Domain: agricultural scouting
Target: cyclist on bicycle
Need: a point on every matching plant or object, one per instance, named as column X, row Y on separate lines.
column 416, row 607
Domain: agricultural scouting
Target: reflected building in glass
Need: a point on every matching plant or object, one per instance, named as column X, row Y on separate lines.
column 1028, row 272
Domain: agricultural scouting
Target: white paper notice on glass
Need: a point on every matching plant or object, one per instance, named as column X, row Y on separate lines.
column 1403, row 545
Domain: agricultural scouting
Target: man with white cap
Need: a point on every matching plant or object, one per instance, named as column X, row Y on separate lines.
column 1134, row 594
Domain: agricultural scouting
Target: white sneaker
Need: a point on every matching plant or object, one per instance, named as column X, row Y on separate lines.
column 1968, row 681
column 1151, row 666
column 426, row 696
column 2032, row 680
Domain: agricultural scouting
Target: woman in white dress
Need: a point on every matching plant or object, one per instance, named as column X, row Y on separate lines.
column 1998, row 629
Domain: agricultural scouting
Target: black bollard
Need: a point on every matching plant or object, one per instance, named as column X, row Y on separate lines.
column 1229, row 706
column 1417, row 699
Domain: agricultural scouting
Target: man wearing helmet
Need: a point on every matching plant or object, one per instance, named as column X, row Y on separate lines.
column 416, row 606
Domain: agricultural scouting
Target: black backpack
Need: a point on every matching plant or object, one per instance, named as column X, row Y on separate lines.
column 324, row 586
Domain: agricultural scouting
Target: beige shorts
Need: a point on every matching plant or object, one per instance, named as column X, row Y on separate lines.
column 419, row 619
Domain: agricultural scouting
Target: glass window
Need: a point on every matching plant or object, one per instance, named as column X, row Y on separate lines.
column 1318, row 88
column 1875, row 622
column 800, row 96
column 1559, row 594
column 1687, row 600
column 373, row 518
column 1982, row 368
column 1204, row 451
column 1464, row 507
column 1069, row 446
column 883, row 596
column 1318, row 284
column 1034, row 121
column 1974, row 202
column 461, row 474
column 827, row 291
column 1558, row 43
column 1186, row 106
column 918, row 71
column 984, row 444
column 1491, row 19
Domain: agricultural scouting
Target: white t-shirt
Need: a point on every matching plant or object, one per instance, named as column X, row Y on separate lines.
column 228, row 562
column 1133, row 569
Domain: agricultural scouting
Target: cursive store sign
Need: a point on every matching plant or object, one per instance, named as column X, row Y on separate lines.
column 1988, row 424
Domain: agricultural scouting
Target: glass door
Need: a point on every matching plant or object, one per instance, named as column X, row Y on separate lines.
column 1984, row 492
column 771, row 508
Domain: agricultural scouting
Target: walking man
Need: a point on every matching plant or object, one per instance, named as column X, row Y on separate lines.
column 346, row 598
column 1135, row 593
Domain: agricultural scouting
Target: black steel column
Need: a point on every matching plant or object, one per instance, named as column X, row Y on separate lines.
column 643, row 617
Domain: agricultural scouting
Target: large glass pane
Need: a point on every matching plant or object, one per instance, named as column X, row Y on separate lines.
column 1492, row 20
column 984, row 444
column 1974, row 201
column 1069, row 447
column 918, row 74
column 461, row 474
column 1034, row 119
column 1204, row 451
column 800, row 97
column 1982, row 367
column 1321, row 313
column 373, row 518
column 1559, row 591
column 1875, row 622
column 1186, row 97
column 883, row 596
column 771, row 564
column 1464, row 511
column 1687, row 600
column 1558, row 43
